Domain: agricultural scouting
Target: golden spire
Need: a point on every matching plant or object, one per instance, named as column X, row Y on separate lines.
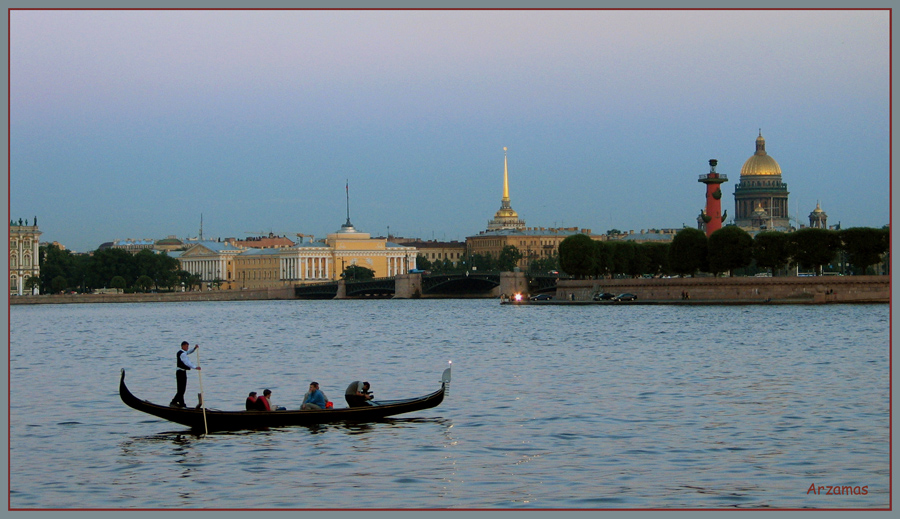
column 505, row 177
column 506, row 217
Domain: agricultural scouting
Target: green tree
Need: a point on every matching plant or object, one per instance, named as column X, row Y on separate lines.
column 55, row 263
column 31, row 283
column 59, row 284
column 603, row 263
column 509, row 258
column 144, row 283
column 422, row 262
column 640, row 261
column 864, row 246
column 771, row 250
column 108, row 263
column 357, row 273
column 622, row 255
column 688, row 252
column 118, row 282
column 544, row 265
column 813, row 248
column 159, row 267
column 483, row 262
column 576, row 255
column 730, row 248
column 658, row 258
column 167, row 279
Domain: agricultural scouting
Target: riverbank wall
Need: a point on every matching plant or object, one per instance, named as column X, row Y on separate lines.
column 812, row 290
column 261, row 294
column 816, row 289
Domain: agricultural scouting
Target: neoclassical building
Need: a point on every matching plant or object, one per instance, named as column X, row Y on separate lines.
column 245, row 267
column 24, row 260
column 761, row 197
column 213, row 261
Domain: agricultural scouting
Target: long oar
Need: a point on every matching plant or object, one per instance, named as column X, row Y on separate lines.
column 202, row 400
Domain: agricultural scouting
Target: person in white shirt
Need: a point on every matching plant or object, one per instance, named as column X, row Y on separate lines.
column 184, row 364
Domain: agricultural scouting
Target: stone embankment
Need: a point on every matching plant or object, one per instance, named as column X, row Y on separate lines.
column 706, row 290
column 207, row 295
column 818, row 289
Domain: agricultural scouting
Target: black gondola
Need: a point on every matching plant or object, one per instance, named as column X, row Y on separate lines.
column 216, row 420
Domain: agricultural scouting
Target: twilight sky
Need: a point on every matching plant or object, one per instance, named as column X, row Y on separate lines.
column 131, row 124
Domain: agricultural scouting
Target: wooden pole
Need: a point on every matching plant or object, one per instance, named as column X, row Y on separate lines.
column 202, row 400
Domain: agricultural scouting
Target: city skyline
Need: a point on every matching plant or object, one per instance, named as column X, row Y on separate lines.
column 131, row 124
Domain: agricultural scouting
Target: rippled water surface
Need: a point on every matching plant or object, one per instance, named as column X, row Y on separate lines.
column 550, row 407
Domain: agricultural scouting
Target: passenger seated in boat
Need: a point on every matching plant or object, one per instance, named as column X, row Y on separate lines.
column 357, row 394
column 263, row 403
column 314, row 399
column 251, row 401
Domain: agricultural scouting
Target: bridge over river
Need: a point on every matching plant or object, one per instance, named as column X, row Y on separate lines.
column 410, row 286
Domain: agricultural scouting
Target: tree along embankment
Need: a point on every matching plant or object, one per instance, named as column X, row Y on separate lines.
column 208, row 295
column 815, row 289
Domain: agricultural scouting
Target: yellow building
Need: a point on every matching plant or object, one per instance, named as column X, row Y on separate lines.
column 24, row 261
column 257, row 268
column 326, row 261
column 533, row 243
column 242, row 268
column 439, row 251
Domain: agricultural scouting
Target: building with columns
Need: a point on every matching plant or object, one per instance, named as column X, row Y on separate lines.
column 24, row 256
column 241, row 268
column 213, row 261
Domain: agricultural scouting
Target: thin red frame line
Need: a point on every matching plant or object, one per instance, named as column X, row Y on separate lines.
column 890, row 208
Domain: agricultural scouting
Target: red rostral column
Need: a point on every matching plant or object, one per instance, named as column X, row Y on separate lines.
column 713, row 183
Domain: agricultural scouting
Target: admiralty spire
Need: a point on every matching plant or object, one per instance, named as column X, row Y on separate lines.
column 506, row 217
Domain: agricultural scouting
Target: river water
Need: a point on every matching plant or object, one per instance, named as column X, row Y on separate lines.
column 592, row 407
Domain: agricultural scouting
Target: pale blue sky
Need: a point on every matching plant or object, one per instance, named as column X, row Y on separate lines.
column 130, row 124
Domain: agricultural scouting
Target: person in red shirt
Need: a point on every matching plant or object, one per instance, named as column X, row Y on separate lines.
column 263, row 403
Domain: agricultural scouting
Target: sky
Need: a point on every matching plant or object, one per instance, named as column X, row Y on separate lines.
column 133, row 124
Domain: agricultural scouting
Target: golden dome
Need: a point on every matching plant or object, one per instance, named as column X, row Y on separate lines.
column 760, row 164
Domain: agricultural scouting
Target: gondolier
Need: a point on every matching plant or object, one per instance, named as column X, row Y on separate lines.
column 183, row 361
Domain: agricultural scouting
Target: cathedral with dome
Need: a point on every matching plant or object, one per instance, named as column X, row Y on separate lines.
column 761, row 197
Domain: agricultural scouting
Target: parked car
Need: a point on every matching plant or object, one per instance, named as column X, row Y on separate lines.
column 605, row 296
column 541, row 297
column 625, row 297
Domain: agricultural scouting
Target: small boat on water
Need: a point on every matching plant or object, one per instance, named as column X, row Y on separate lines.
column 216, row 420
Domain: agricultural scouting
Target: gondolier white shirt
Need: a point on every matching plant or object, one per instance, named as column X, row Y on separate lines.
column 183, row 354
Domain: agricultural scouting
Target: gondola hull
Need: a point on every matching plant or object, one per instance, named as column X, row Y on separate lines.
column 216, row 420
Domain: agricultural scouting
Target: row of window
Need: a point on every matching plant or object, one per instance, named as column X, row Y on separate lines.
column 14, row 244
column 441, row 255
column 14, row 261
